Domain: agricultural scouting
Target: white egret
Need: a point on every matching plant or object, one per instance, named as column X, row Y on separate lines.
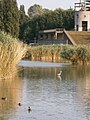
column 59, row 74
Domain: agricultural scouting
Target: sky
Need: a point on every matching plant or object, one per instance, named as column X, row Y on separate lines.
column 49, row 4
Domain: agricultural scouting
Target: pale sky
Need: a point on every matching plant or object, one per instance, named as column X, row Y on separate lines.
column 50, row 4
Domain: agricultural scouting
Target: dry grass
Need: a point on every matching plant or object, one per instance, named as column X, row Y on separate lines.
column 11, row 53
column 80, row 37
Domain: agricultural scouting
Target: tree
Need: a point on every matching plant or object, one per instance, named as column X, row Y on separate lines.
column 11, row 17
column 1, row 15
column 22, row 21
column 68, row 19
column 15, row 17
column 22, row 14
column 35, row 10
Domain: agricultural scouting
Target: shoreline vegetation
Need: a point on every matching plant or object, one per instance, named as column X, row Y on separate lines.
column 60, row 53
column 11, row 52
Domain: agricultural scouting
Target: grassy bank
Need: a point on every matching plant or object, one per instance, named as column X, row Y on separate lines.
column 80, row 37
column 11, row 52
column 59, row 53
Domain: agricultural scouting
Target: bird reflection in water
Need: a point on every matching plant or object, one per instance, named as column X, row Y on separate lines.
column 59, row 77
column 59, row 74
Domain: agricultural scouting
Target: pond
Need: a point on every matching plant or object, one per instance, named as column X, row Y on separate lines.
column 50, row 97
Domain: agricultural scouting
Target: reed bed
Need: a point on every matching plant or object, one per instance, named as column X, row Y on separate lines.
column 79, row 54
column 45, row 52
column 11, row 52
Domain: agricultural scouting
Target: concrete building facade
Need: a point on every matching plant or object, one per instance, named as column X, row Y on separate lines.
column 55, row 36
column 82, row 16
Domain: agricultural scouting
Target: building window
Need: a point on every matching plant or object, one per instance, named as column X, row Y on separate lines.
column 41, row 37
column 77, row 27
column 77, row 15
column 84, row 25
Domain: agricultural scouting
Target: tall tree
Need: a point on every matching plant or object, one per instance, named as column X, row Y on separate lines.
column 1, row 15
column 11, row 17
column 15, row 17
column 23, row 20
column 22, row 14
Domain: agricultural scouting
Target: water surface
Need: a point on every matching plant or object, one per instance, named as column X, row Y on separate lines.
column 51, row 97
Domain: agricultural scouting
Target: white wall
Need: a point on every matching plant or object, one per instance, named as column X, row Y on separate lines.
column 82, row 16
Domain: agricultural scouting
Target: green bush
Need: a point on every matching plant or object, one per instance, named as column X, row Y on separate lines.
column 70, row 54
column 83, row 54
column 79, row 54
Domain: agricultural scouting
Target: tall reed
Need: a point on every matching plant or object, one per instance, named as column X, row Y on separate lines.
column 45, row 52
column 11, row 52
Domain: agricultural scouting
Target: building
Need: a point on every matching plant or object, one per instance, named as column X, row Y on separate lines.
column 82, row 16
column 51, row 35
column 54, row 36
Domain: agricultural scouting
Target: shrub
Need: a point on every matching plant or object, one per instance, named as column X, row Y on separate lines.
column 69, row 54
column 79, row 54
column 83, row 54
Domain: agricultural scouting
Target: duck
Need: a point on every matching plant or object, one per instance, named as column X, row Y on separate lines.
column 4, row 98
column 29, row 109
column 59, row 74
column 19, row 104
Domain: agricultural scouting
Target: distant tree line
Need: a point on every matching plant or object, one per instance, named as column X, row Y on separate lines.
column 26, row 27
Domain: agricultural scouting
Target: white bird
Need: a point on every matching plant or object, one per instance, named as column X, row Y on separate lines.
column 59, row 74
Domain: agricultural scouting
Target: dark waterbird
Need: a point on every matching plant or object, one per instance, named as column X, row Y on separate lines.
column 19, row 104
column 4, row 98
column 29, row 109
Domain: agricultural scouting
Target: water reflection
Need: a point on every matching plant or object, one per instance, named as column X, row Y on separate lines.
column 59, row 77
column 10, row 89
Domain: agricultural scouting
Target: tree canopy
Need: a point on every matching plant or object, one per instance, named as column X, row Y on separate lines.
column 36, row 10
